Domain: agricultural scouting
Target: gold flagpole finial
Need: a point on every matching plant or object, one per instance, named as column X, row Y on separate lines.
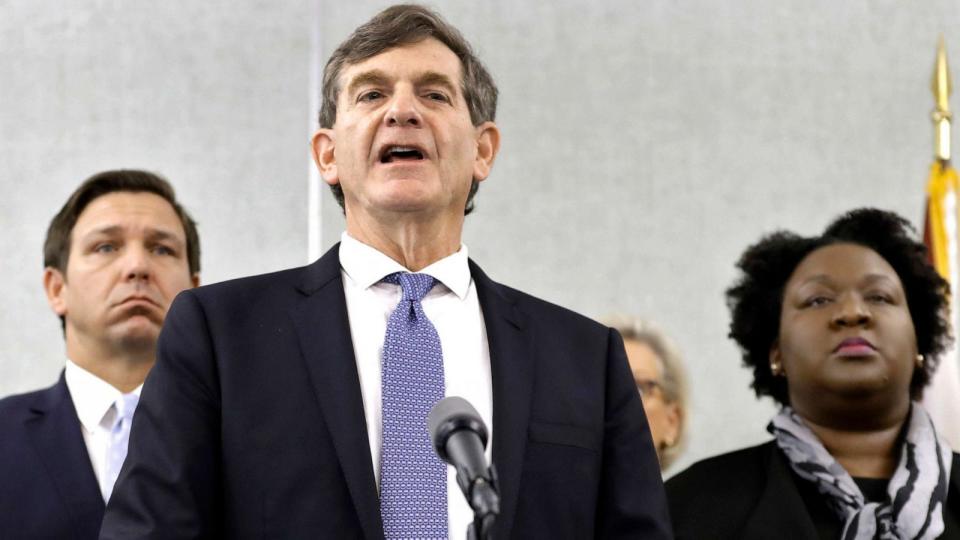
column 942, row 87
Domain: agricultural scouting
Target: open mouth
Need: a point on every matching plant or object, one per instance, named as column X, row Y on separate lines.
column 391, row 154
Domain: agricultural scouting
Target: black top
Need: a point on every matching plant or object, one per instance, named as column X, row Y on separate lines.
column 754, row 494
column 826, row 521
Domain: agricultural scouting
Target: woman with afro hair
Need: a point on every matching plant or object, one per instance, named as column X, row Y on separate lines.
column 842, row 330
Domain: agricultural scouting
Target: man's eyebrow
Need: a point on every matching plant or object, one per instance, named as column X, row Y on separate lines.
column 151, row 233
column 439, row 79
column 162, row 235
column 373, row 77
column 108, row 230
column 376, row 77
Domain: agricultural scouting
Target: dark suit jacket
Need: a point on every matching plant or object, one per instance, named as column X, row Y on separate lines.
column 251, row 423
column 751, row 494
column 47, row 485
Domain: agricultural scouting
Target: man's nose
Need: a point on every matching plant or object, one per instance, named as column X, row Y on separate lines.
column 852, row 311
column 404, row 110
column 136, row 263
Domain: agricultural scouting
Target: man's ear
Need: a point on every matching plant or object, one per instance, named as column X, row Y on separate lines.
column 488, row 144
column 323, row 145
column 55, row 284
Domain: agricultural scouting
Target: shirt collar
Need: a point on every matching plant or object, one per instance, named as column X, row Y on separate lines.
column 366, row 266
column 92, row 396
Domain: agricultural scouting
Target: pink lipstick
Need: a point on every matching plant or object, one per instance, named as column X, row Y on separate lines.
column 855, row 347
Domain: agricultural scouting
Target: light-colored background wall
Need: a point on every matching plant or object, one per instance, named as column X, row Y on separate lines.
column 645, row 145
column 211, row 94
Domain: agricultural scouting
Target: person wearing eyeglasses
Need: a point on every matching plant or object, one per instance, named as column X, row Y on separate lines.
column 658, row 371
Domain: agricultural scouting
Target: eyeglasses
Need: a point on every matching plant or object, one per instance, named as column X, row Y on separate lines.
column 647, row 387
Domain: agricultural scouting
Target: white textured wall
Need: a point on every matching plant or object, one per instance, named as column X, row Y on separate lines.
column 210, row 94
column 646, row 144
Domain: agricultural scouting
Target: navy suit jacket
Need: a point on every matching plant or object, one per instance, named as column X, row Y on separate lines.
column 251, row 423
column 47, row 485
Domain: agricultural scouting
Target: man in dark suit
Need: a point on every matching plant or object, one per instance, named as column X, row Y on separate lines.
column 279, row 403
column 115, row 256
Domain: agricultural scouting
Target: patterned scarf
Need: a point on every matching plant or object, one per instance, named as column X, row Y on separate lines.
column 917, row 491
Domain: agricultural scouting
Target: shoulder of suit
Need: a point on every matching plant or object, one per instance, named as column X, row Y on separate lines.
column 544, row 311
column 251, row 286
column 720, row 469
column 16, row 407
column 717, row 494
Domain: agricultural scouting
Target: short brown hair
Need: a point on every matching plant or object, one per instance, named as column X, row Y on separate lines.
column 402, row 25
column 56, row 248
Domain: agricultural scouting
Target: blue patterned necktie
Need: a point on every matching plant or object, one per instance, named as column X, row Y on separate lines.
column 413, row 480
column 119, row 437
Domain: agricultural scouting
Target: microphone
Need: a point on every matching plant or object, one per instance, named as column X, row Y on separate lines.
column 459, row 436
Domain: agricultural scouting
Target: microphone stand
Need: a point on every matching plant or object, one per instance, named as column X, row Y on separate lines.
column 485, row 500
column 459, row 436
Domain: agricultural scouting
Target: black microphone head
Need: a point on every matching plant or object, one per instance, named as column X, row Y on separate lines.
column 452, row 414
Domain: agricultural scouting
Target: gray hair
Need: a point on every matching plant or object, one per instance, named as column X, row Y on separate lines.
column 673, row 373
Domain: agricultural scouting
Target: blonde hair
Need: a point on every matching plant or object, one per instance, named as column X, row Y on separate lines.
column 673, row 374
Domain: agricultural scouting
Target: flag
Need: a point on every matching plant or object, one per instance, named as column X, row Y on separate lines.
column 942, row 396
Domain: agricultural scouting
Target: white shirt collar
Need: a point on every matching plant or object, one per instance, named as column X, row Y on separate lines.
column 366, row 266
column 92, row 396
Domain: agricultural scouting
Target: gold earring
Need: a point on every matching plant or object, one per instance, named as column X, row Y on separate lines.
column 920, row 360
column 775, row 368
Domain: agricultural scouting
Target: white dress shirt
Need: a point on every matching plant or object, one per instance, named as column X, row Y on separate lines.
column 93, row 398
column 453, row 308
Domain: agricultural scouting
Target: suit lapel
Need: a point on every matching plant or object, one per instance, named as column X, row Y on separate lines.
column 55, row 432
column 323, row 330
column 324, row 334
column 512, row 363
column 780, row 507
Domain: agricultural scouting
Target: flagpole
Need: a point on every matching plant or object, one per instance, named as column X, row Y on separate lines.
column 942, row 86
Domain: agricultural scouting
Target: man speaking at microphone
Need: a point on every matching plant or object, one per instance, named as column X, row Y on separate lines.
column 294, row 405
